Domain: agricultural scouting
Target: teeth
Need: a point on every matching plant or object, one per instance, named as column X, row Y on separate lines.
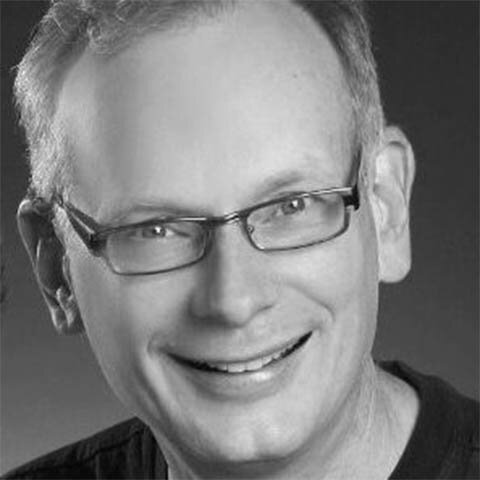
column 252, row 366
column 279, row 354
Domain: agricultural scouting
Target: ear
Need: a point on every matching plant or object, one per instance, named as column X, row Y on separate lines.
column 50, row 264
column 394, row 171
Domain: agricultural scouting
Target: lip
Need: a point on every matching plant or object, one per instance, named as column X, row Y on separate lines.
column 244, row 359
column 247, row 385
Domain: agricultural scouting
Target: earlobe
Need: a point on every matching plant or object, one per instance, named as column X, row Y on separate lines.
column 47, row 256
column 393, row 179
column 66, row 316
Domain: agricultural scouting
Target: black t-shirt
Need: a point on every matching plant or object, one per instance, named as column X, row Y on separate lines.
column 444, row 443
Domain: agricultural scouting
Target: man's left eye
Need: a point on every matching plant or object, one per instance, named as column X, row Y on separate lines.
column 292, row 206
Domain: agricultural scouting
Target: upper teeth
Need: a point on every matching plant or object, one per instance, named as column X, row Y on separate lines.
column 251, row 366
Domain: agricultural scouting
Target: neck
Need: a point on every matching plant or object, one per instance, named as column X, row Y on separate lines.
column 365, row 440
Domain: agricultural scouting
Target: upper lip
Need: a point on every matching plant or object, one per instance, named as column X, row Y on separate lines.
column 244, row 359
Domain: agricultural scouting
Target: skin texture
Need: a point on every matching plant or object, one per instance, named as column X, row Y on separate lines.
column 205, row 120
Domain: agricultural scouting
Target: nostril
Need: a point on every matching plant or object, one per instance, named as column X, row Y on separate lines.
column 231, row 291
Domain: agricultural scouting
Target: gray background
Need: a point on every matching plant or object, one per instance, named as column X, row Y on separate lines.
column 51, row 389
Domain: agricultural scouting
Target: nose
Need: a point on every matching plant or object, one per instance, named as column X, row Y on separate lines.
column 235, row 284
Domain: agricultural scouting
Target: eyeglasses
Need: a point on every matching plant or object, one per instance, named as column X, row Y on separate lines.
column 158, row 245
column 163, row 244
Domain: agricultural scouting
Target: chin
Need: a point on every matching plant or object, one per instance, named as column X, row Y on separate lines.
column 238, row 449
column 238, row 437
column 272, row 415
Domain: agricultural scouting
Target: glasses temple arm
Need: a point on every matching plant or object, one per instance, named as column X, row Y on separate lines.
column 84, row 226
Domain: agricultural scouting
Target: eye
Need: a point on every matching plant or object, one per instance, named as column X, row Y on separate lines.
column 154, row 231
column 148, row 232
column 292, row 206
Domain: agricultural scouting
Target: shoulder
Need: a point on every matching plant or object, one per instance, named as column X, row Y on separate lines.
column 441, row 396
column 125, row 450
column 446, row 435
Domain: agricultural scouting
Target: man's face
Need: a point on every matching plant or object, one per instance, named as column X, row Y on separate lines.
column 234, row 112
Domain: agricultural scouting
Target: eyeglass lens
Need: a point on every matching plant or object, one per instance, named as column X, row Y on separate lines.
column 286, row 224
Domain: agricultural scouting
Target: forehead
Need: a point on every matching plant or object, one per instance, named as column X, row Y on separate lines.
column 230, row 101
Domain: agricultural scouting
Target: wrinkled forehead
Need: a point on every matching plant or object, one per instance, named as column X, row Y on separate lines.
column 256, row 89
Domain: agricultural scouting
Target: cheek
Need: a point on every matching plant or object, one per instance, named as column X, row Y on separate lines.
column 340, row 273
column 122, row 313
column 136, row 304
column 342, row 278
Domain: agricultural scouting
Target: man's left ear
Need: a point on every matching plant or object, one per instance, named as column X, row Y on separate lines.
column 394, row 171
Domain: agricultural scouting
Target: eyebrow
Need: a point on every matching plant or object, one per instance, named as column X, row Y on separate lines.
column 275, row 183
column 287, row 178
column 158, row 206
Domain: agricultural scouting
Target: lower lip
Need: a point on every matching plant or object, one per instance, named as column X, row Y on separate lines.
column 245, row 385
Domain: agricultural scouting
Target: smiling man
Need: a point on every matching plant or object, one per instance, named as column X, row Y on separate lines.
column 215, row 199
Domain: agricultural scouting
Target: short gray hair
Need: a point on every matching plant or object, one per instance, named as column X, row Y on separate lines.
column 108, row 26
column 345, row 22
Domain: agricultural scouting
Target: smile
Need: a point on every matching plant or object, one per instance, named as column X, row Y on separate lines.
column 249, row 366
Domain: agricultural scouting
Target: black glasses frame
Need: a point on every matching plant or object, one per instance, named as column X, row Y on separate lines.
column 95, row 236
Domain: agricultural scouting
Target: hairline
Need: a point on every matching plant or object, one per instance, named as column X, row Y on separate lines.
column 178, row 25
column 192, row 17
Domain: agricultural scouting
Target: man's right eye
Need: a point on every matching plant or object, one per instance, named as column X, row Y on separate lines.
column 150, row 232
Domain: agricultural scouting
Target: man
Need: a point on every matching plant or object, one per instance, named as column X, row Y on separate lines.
column 215, row 199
